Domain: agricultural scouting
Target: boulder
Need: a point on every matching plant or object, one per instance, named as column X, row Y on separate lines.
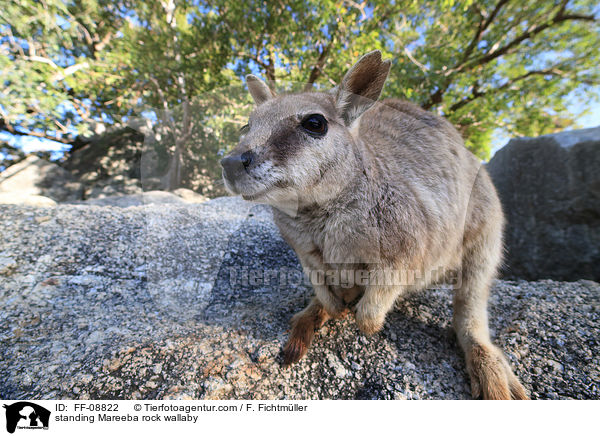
column 174, row 301
column 179, row 196
column 35, row 176
column 189, row 196
column 18, row 197
column 550, row 190
column 108, row 163
column 150, row 197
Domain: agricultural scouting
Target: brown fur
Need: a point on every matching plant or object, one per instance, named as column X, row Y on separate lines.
column 390, row 188
column 303, row 327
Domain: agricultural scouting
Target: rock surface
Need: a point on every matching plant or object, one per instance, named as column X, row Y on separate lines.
column 37, row 182
column 550, row 190
column 168, row 301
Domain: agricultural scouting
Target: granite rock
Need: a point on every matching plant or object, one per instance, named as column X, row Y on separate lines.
column 179, row 301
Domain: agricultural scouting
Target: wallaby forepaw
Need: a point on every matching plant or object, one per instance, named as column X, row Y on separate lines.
column 369, row 322
column 342, row 314
column 491, row 375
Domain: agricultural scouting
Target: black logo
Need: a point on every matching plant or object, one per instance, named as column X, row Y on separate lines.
column 26, row 415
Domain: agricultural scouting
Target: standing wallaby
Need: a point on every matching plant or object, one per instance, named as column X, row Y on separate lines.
column 377, row 199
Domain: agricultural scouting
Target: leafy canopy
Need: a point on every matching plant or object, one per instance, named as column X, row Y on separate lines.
column 486, row 65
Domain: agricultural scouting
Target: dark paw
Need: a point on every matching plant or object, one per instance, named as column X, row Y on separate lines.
column 294, row 350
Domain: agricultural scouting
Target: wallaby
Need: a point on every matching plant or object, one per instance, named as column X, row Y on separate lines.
column 363, row 191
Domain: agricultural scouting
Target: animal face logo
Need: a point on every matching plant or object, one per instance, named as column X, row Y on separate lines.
column 26, row 415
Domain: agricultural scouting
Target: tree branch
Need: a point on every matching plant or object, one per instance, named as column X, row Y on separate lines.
column 43, row 60
column 553, row 71
column 484, row 23
column 254, row 58
column 318, row 67
column 532, row 31
column 419, row 65
column 270, row 70
column 495, row 53
column 165, row 104
column 60, row 75
column 4, row 126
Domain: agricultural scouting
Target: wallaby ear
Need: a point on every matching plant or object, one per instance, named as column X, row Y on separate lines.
column 259, row 90
column 361, row 86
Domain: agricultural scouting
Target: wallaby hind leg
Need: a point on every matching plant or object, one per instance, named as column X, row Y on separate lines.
column 303, row 327
column 491, row 375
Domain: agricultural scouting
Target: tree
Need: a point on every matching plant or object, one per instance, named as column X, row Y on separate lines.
column 50, row 54
column 485, row 65
column 172, row 58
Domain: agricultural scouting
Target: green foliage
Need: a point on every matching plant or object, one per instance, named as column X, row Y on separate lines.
column 50, row 54
column 485, row 65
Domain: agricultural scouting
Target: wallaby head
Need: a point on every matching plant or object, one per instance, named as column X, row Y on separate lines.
column 301, row 145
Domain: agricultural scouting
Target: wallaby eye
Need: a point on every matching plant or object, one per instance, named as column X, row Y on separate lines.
column 244, row 129
column 315, row 124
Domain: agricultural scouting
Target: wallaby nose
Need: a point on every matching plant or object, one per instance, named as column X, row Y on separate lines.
column 233, row 166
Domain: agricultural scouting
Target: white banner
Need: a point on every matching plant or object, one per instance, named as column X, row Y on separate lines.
column 42, row 418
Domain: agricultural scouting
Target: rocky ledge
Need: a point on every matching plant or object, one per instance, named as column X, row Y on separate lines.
column 169, row 301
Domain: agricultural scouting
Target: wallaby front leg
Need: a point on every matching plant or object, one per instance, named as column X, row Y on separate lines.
column 323, row 306
column 377, row 301
column 313, row 266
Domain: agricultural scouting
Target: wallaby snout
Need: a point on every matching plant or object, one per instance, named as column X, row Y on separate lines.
column 235, row 166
